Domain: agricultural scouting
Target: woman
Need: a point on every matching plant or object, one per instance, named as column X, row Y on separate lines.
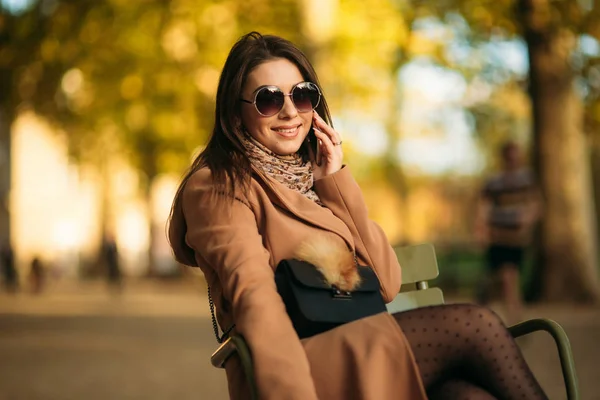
column 261, row 188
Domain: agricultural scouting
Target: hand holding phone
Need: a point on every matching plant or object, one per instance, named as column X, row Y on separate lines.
column 327, row 148
column 314, row 145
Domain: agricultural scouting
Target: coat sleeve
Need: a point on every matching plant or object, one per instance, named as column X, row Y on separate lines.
column 226, row 237
column 342, row 195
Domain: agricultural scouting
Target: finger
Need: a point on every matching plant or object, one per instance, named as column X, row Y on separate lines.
column 327, row 146
column 324, row 127
column 331, row 135
column 331, row 147
column 323, row 138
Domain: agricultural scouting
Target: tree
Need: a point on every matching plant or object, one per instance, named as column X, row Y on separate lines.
column 27, row 79
column 132, row 80
column 567, row 264
column 568, row 258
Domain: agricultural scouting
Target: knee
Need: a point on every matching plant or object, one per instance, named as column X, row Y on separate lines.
column 482, row 318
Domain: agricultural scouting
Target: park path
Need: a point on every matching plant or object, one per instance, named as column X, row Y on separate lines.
column 154, row 340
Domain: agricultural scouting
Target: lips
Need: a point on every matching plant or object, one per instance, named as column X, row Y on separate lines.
column 287, row 131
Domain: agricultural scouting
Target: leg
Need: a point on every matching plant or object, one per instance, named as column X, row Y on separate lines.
column 511, row 292
column 455, row 389
column 470, row 343
column 487, row 285
column 484, row 288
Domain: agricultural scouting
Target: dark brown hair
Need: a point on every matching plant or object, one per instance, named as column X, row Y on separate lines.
column 224, row 154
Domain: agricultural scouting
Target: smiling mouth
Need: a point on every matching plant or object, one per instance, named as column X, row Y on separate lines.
column 287, row 131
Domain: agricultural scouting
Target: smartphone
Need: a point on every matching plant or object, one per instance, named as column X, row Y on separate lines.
column 315, row 145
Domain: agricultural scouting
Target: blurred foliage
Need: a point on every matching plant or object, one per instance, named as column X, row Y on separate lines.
column 136, row 78
column 139, row 78
column 468, row 30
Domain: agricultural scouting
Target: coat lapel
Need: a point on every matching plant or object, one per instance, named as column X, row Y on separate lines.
column 304, row 208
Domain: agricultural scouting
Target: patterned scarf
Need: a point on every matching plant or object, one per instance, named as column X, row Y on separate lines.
column 291, row 171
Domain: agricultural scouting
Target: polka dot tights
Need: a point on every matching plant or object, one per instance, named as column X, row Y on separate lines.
column 465, row 352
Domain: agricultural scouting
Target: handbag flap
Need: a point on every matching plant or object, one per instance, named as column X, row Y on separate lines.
column 307, row 275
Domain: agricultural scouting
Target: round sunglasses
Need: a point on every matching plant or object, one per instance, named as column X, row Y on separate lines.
column 269, row 100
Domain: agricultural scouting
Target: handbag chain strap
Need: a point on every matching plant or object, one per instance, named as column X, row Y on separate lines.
column 220, row 339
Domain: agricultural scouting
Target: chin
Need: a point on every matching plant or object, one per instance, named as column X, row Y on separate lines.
column 287, row 152
column 285, row 149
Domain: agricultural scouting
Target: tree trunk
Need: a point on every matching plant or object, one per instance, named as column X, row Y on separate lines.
column 148, row 148
column 5, row 172
column 152, row 227
column 106, row 218
column 567, row 266
column 595, row 155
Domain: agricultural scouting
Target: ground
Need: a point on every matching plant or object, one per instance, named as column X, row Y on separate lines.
column 154, row 341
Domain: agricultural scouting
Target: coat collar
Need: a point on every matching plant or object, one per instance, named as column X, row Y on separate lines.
column 304, row 208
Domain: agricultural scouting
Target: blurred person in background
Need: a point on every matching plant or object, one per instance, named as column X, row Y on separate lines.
column 110, row 259
column 7, row 263
column 509, row 207
column 270, row 180
column 37, row 275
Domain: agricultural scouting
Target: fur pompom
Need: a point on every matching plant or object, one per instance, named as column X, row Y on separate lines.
column 331, row 257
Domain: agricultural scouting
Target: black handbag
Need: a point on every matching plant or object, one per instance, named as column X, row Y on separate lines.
column 314, row 306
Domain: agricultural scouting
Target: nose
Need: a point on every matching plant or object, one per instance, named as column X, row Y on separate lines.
column 288, row 110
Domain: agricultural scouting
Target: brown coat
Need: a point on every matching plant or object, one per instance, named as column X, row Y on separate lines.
column 238, row 245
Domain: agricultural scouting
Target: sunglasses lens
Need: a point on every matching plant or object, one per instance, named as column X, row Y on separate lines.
column 306, row 96
column 269, row 101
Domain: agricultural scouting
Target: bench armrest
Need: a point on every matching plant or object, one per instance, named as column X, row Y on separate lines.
column 564, row 349
column 236, row 345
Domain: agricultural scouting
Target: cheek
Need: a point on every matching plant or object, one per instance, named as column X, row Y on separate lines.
column 307, row 125
column 255, row 123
